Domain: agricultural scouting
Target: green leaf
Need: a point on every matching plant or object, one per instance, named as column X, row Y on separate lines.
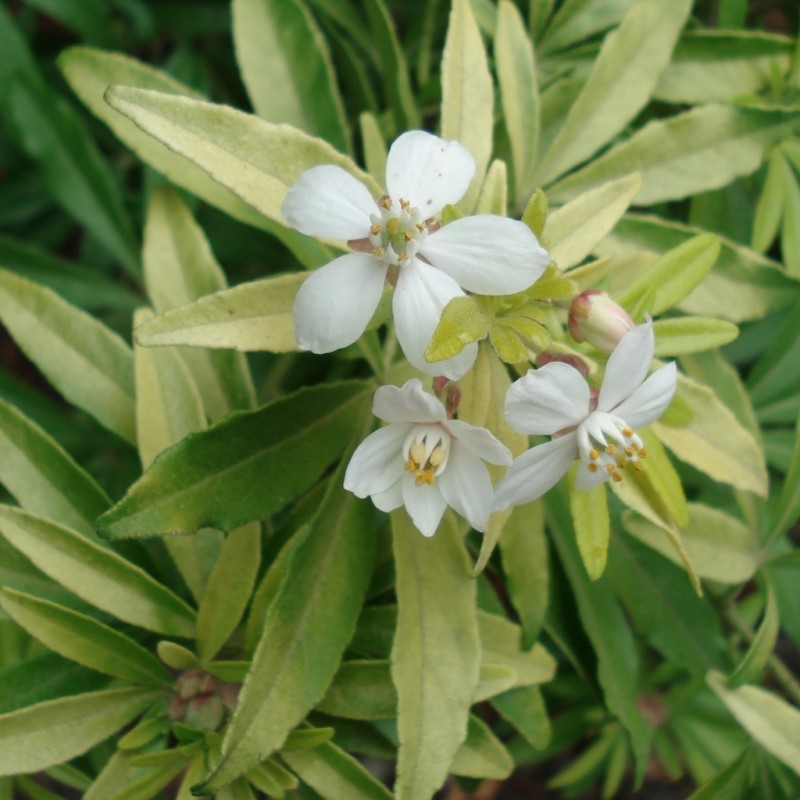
column 86, row 288
column 573, row 230
column 215, row 478
column 714, row 441
column 467, row 93
column 43, row 477
column 693, row 152
column 720, row 546
column 590, row 518
column 86, row 362
column 307, row 628
column 758, row 654
column 523, row 548
column 674, row 275
column 334, row 774
column 44, row 734
column 90, row 72
column 287, row 69
column 462, row 323
column 577, row 20
column 680, row 335
column 364, row 690
column 721, row 66
column 665, row 609
column 493, row 197
column 168, row 408
column 85, row 640
column 787, row 508
column 179, row 268
column 769, row 719
column 607, row 629
column 742, row 285
column 524, row 708
column 623, row 77
column 228, row 589
column 482, row 754
column 96, row 575
column 258, row 161
column 392, row 63
column 519, row 93
column 251, row 316
column 89, row 18
column 435, row 655
column 75, row 172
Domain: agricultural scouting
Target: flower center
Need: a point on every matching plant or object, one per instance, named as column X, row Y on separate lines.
column 425, row 452
column 396, row 234
column 605, row 442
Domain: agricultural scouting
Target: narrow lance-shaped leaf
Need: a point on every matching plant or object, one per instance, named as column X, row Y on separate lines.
column 769, row 719
column 90, row 72
column 467, row 93
column 85, row 640
column 43, row 477
column 755, row 659
column 624, row 75
column 49, row 733
column 168, row 408
column 435, row 656
column 604, row 623
column 335, row 774
column 258, row 161
column 287, row 68
column 306, row 630
column 87, row 363
column 693, row 152
column 243, row 468
column 251, row 316
column 589, row 511
column 55, row 136
column 573, row 230
column 96, row 575
column 482, row 754
column 179, row 268
column 228, row 589
column 519, row 93
column 681, row 335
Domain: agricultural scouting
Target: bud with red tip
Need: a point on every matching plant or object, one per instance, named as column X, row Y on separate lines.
column 595, row 318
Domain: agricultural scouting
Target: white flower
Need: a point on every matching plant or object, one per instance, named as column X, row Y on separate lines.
column 485, row 254
column 556, row 401
column 424, row 460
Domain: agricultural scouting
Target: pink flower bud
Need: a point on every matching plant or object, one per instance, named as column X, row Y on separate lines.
column 595, row 318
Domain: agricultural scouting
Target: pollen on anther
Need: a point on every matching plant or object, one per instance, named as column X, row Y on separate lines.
column 629, row 451
column 385, row 202
column 616, row 477
column 627, row 432
column 611, row 469
column 611, row 449
column 637, row 465
column 642, row 453
column 594, row 454
column 377, row 251
column 375, row 229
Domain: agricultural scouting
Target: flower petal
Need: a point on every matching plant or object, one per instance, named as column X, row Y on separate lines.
column 534, row 472
column 329, row 202
column 585, row 480
column 487, row 254
column 466, row 486
column 428, row 171
column 390, row 499
column 478, row 441
column 377, row 462
column 627, row 366
column 419, row 297
column 650, row 400
column 548, row 399
column 425, row 504
column 408, row 403
column 337, row 301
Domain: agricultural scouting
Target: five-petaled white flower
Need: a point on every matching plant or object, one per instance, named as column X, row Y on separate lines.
column 486, row 254
column 556, row 401
column 424, row 460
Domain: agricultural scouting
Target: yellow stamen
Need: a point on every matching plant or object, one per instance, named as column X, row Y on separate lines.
column 628, row 432
column 611, row 449
column 642, row 453
column 611, row 469
column 616, row 477
column 594, row 454
column 592, row 467
column 375, row 229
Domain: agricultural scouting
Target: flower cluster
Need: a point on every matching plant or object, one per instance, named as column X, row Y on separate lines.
column 424, row 459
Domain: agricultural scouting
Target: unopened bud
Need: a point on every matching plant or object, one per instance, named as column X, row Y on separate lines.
column 595, row 318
